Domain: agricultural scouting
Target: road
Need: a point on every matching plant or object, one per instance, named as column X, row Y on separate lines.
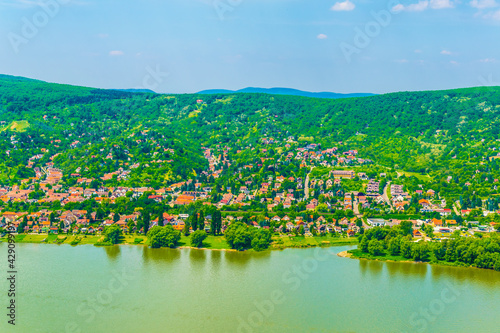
column 385, row 196
column 455, row 205
column 306, row 186
column 355, row 208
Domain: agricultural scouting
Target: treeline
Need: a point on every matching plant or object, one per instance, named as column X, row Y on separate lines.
column 481, row 252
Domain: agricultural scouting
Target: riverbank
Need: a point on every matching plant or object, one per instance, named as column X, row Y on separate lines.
column 358, row 254
column 344, row 254
column 210, row 243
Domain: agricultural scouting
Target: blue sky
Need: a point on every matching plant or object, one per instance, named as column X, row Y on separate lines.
column 183, row 46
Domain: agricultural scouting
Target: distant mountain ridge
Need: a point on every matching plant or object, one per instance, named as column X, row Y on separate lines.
column 145, row 91
column 285, row 91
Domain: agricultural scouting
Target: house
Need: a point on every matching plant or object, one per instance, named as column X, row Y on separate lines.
column 376, row 222
column 362, row 176
column 443, row 212
column 437, row 223
column 417, row 233
column 424, row 203
column 276, row 218
column 344, row 221
column 349, row 174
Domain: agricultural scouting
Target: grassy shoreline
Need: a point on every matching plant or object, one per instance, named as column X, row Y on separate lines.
column 217, row 243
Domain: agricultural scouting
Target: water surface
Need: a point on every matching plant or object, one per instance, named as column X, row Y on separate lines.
column 137, row 289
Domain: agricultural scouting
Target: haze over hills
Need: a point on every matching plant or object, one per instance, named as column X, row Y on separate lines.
column 285, row 91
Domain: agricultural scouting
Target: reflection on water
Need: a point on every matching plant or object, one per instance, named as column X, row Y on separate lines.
column 198, row 255
column 466, row 275
column 215, row 259
column 406, row 269
column 243, row 258
column 369, row 268
column 113, row 252
column 160, row 255
column 373, row 268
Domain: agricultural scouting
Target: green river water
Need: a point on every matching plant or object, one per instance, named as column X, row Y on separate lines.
column 137, row 289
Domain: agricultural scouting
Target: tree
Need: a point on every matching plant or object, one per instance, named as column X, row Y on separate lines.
column 375, row 247
column 420, row 251
column 201, row 220
column 22, row 225
column 186, row 228
column 302, row 230
column 146, row 220
column 163, row 237
column 160, row 218
column 238, row 236
column 394, row 246
column 116, row 217
column 112, row 234
column 216, row 222
column 261, row 239
column 130, row 225
column 363, row 244
column 406, row 249
column 194, row 221
column 198, row 237
column 406, row 228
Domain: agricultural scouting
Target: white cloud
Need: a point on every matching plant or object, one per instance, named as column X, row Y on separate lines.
column 453, row 62
column 322, row 36
column 116, row 53
column 415, row 7
column 418, row 51
column 482, row 4
column 402, row 61
column 424, row 5
column 103, row 36
column 441, row 4
column 493, row 16
column 343, row 6
column 488, row 60
column 446, row 52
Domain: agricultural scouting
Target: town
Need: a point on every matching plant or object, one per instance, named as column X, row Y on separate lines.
column 285, row 186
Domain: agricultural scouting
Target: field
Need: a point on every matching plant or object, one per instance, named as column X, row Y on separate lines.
column 425, row 178
column 302, row 242
column 17, row 126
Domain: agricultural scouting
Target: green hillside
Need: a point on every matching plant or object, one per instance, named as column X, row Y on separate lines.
column 426, row 136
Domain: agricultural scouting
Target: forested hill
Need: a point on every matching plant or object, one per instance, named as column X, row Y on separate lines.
column 441, row 132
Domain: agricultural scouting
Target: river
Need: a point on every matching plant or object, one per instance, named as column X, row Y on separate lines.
column 137, row 289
